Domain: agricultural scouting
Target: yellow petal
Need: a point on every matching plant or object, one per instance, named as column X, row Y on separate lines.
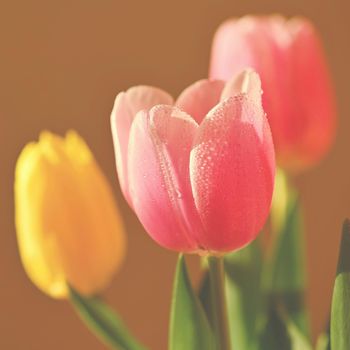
column 75, row 217
column 37, row 247
column 96, row 250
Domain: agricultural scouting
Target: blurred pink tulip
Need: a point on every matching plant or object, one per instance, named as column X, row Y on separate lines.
column 297, row 93
column 198, row 172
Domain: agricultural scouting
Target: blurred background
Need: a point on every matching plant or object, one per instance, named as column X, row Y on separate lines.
column 61, row 65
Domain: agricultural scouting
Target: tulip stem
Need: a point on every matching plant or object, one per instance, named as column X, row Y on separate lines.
column 218, row 301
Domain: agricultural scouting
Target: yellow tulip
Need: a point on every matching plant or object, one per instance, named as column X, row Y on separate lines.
column 68, row 226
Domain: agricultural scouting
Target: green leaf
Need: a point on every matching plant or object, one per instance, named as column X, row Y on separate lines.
column 102, row 321
column 298, row 339
column 189, row 327
column 284, row 275
column 275, row 334
column 280, row 332
column 286, row 271
column 340, row 315
column 244, row 295
column 205, row 297
column 323, row 342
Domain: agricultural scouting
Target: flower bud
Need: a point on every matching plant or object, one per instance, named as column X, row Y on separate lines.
column 297, row 93
column 68, row 227
column 199, row 172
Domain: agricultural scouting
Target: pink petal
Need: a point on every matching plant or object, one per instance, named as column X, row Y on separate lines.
column 312, row 128
column 247, row 81
column 247, row 42
column 158, row 167
column 126, row 105
column 232, row 172
column 298, row 95
column 260, row 43
column 233, row 48
column 199, row 98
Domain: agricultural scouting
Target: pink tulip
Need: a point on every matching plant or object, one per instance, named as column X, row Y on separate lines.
column 298, row 97
column 199, row 172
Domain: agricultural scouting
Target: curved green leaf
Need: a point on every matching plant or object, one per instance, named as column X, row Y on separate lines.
column 323, row 342
column 189, row 327
column 298, row 339
column 244, row 295
column 275, row 334
column 104, row 322
column 281, row 332
column 284, row 275
column 340, row 315
column 205, row 297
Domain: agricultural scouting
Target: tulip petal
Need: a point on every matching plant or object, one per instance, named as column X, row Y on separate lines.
column 232, row 172
column 262, row 44
column 68, row 227
column 247, row 82
column 313, row 128
column 232, row 48
column 37, row 248
column 249, row 42
column 199, row 98
column 100, row 234
column 158, row 168
column 298, row 95
column 126, row 106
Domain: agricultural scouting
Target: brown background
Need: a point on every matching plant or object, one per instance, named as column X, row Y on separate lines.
column 62, row 63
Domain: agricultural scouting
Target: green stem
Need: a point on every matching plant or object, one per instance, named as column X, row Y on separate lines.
column 218, row 300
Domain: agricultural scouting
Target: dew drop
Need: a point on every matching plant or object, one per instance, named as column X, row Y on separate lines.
column 178, row 194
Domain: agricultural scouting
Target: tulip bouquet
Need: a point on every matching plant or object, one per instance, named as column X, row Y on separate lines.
column 200, row 174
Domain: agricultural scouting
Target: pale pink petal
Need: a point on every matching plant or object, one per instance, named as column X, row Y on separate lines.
column 312, row 129
column 234, row 46
column 158, row 167
column 126, row 105
column 199, row 98
column 260, row 43
column 232, row 172
column 247, row 82
column 248, row 42
column 298, row 95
